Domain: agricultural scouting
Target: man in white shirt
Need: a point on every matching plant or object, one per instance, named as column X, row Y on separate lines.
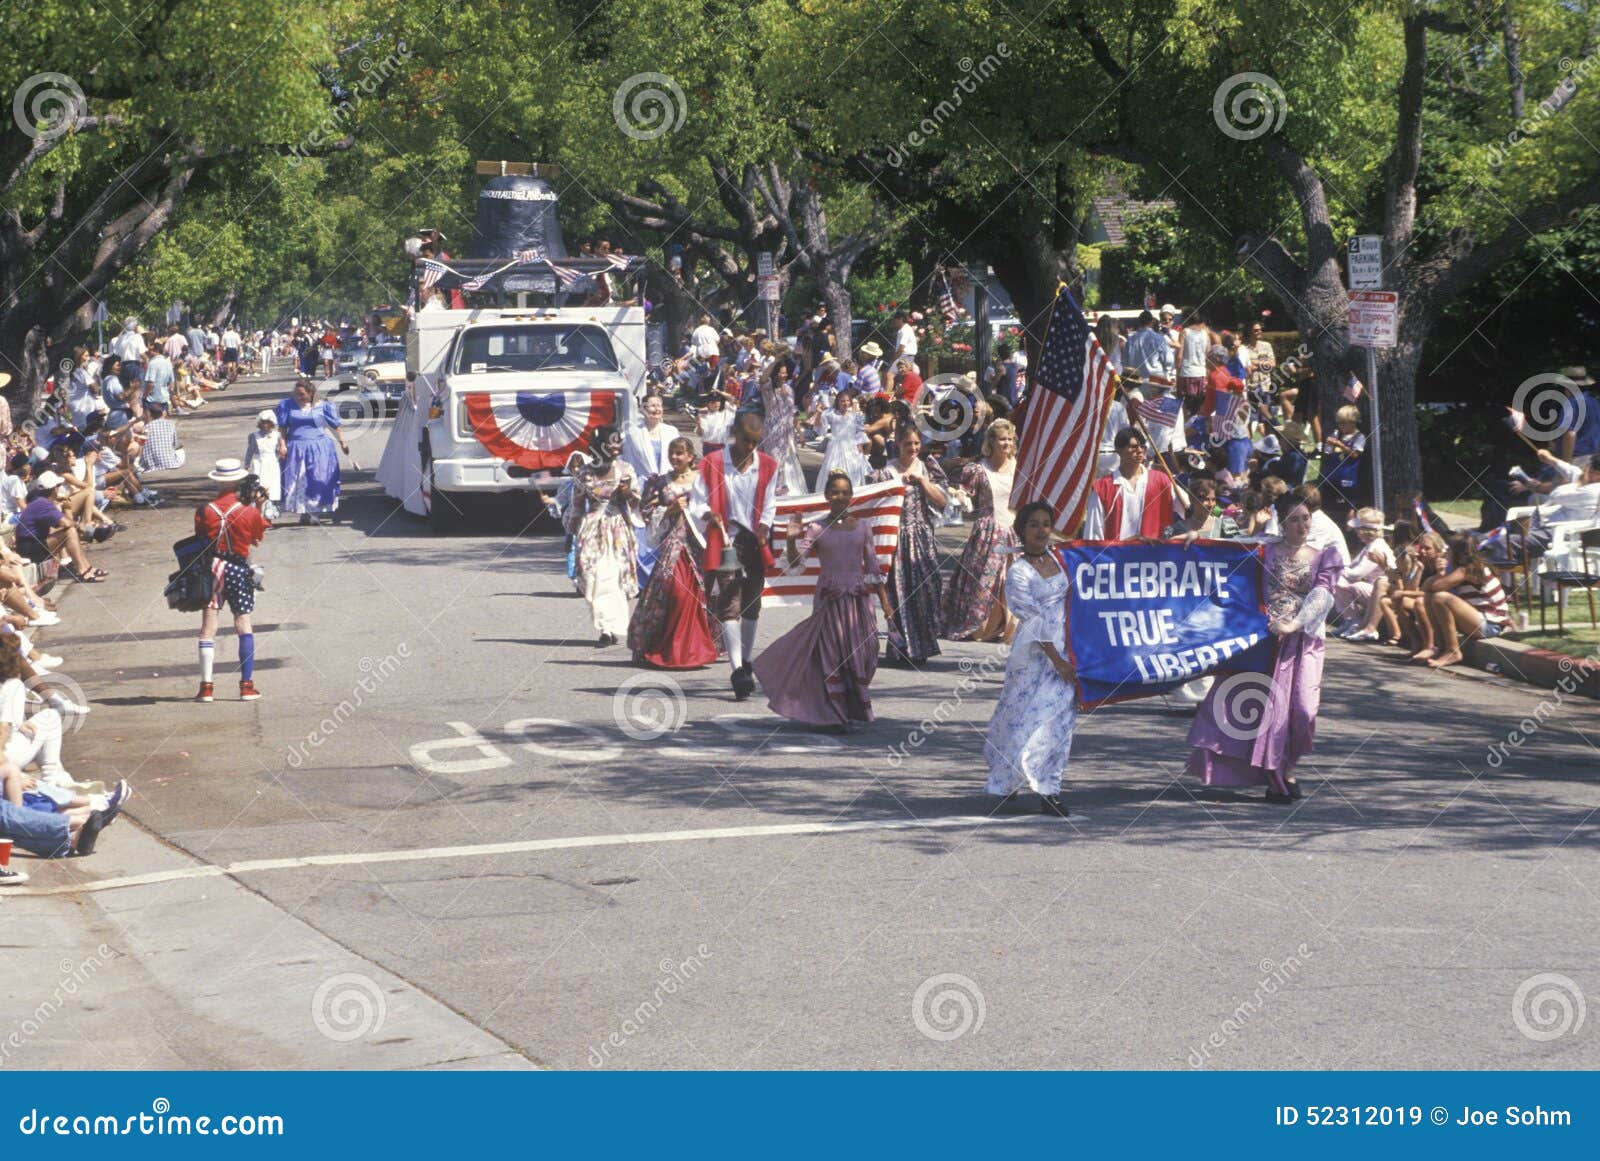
column 735, row 500
column 1136, row 501
column 705, row 341
column 1575, row 500
column 905, row 340
column 1324, row 532
column 644, row 447
column 129, row 346
column 176, row 344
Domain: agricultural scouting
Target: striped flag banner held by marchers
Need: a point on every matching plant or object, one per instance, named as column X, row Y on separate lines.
column 878, row 504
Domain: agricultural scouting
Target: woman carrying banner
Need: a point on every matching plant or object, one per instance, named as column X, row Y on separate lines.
column 975, row 605
column 1030, row 734
column 819, row 671
column 600, row 521
column 1252, row 729
column 914, row 581
column 671, row 628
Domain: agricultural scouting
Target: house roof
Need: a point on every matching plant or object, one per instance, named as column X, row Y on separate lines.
column 1112, row 211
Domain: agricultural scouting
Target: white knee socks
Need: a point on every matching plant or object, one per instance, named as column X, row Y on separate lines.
column 733, row 643
column 747, row 636
column 208, row 658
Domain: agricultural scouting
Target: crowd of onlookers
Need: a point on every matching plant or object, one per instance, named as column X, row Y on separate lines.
column 1235, row 426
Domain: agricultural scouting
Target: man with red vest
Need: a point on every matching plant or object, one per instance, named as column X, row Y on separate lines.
column 1134, row 500
column 735, row 499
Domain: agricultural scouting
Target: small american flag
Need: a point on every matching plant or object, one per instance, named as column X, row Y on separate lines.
column 878, row 504
column 1060, row 437
column 431, row 273
column 529, row 255
column 479, row 282
column 1227, row 406
column 565, row 275
column 1163, row 411
column 1422, row 514
column 947, row 301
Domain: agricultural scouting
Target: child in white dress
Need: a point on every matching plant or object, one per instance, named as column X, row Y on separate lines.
column 261, row 456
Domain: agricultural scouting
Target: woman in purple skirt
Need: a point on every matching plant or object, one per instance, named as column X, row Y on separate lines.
column 1251, row 729
column 818, row 672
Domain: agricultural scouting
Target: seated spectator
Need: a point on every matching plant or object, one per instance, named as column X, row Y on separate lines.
column 1358, row 593
column 82, row 498
column 1202, row 517
column 162, row 451
column 1464, row 602
column 1425, row 559
column 45, row 532
column 1572, row 497
column 14, row 488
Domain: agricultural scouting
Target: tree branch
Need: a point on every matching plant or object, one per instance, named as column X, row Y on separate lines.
column 1405, row 159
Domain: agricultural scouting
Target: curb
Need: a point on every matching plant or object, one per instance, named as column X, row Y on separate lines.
column 1542, row 667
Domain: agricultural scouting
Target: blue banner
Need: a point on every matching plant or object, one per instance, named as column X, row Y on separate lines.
column 407, row 1116
column 1146, row 618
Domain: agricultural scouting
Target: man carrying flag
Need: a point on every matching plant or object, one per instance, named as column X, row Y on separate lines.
column 1065, row 412
column 1135, row 501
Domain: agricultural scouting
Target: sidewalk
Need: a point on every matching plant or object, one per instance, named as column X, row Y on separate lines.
column 186, row 973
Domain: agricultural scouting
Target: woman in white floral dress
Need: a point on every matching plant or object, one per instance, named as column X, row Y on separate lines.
column 1030, row 734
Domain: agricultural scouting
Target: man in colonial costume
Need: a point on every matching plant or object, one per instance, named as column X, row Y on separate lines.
column 735, row 501
column 1134, row 500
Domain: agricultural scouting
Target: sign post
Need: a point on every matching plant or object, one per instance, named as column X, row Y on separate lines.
column 1374, row 322
column 768, row 290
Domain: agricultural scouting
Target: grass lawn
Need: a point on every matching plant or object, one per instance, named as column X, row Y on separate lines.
column 1578, row 642
column 1468, row 508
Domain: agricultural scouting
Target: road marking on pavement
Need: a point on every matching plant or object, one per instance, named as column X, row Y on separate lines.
column 213, row 871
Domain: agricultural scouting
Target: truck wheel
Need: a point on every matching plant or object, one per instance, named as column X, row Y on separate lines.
column 444, row 513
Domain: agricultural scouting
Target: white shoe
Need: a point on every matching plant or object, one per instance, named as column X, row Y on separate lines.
column 1362, row 635
column 45, row 662
column 65, row 705
column 44, row 618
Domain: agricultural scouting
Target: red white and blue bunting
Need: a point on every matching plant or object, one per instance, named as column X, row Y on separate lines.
column 538, row 431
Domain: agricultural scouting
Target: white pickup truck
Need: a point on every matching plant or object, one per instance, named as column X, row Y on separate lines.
column 498, row 399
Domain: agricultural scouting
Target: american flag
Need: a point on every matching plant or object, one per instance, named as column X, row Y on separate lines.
column 431, row 272
column 1422, row 514
column 1226, row 407
column 947, row 301
column 565, row 275
column 878, row 504
column 1066, row 411
column 1162, row 411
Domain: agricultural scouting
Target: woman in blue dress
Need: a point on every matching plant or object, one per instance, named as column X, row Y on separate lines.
column 308, row 432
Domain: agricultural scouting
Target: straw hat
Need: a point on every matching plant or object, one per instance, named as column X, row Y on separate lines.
column 227, row 471
column 872, row 350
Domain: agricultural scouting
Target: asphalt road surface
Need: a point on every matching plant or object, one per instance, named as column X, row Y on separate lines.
column 606, row 868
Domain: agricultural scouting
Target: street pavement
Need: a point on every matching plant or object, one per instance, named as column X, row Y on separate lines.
column 537, row 853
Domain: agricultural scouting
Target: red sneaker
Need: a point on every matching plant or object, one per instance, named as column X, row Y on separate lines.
column 248, row 691
column 207, row 692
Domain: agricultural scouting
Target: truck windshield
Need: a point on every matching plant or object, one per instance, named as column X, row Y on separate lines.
column 548, row 347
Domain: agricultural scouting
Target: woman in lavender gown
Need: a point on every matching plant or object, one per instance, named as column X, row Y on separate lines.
column 819, row 671
column 1251, row 729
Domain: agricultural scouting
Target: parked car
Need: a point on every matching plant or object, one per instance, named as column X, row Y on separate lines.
column 352, row 356
column 382, row 379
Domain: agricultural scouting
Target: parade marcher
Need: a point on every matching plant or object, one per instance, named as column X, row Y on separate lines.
column 714, row 422
column 819, row 671
column 644, row 445
column 233, row 523
column 735, row 501
column 261, row 455
column 975, row 605
column 1029, row 739
column 308, row 431
column 1136, row 501
column 671, row 627
column 915, row 585
column 601, row 520
column 846, row 430
column 778, row 440
column 1226, row 751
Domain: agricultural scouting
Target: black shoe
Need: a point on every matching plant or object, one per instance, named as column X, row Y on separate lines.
column 1052, row 804
column 1294, row 789
column 1279, row 799
column 607, row 640
column 744, row 683
column 89, row 833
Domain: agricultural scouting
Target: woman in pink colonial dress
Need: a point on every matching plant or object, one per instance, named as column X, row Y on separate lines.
column 1251, row 729
column 819, row 671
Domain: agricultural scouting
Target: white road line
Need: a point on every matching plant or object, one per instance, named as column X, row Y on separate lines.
column 212, row 871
